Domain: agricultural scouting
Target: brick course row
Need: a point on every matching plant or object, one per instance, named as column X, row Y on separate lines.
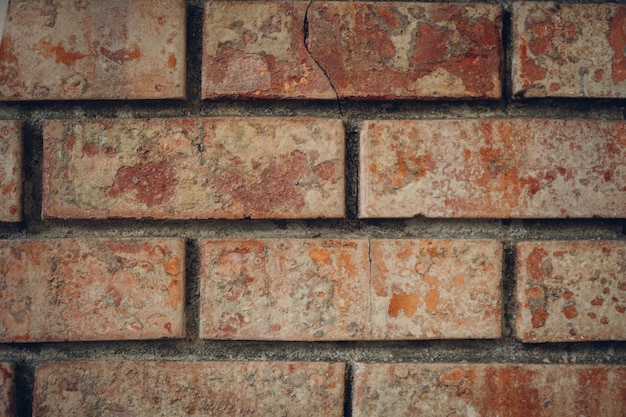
column 309, row 289
column 311, row 50
column 318, row 388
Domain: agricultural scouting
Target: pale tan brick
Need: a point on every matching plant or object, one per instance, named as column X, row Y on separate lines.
column 64, row 389
column 91, row 289
column 325, row 289
column 11, row 149
column 114, row 49
column 194, row 168
column 569, row 50
column 515, row 168
column 571, row 291
column 488, row 389
column 7, row 390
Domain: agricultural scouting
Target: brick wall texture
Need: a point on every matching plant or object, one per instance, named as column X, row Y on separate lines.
column 312, row 208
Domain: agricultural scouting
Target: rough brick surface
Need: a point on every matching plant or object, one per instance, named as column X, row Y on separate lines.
column 388, row 50
column 575, row 50
column 493, row 168
column 91, row 289
column 10, row 171
column 408, row 50
column 194, row 168
column 488, row 390
column 571, row 291
column 64, row 389
column 116, row 49
column 7, row 390
column 257, row 49
column 323, row 289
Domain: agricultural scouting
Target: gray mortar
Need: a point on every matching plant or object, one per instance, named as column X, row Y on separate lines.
column 507, row 349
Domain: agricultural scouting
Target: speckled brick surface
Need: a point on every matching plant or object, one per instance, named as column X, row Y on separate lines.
column 516, row 168
column 91, row 289
column 10, row 171
column 324, row 289
column 67, row 389
column 468, row 390
column 194, row 168
column 257, row 49
column 569, row 50
column 388, row 50
column 408, row 50
column 571, row 291
column 115, row 49
column 7, row 390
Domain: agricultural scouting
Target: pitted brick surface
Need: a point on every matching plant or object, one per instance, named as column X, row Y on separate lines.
column 7, row 390
column 11, row 150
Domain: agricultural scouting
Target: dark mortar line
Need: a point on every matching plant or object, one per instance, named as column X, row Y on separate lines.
column 305, row 30
column 348, row 386
column 509, row 309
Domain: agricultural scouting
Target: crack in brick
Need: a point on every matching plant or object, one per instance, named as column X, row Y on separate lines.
column 319, row 65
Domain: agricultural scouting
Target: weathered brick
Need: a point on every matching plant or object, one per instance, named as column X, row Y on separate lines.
column 10, row 171
column 324, row 289
column 91, row 289
column 411, row 389
column 389, row 50
column 116, row 49
column 571, row 291
column 257, row 49
column 569, row 50
column 7, row 390
column 399, row 50
column 493, row 168
column 189, row 388
column 194, row 168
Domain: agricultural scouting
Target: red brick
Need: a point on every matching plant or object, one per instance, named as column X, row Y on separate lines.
column 389, row 50
column 257, row 49
column 412, row 389
column 194, row 168
column 493, row 168
column 189, row 388
column 10, row 171
column 571, row 291
column 324, row 289
column 7, row 390
column 396, row 50
column 569, row 50
column 116, row 49
column 91, row 289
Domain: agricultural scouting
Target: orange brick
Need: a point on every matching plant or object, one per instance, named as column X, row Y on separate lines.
column 493, row 168
column 324, row 289
column 257, row 49
column 571, row 291
column 116, row 49
column 415, row 389
column 7, row 391
column 569, row 50
column 194, row 168
column 189, row 388
column 389, row 50
column 10, row 171
column 91, row 289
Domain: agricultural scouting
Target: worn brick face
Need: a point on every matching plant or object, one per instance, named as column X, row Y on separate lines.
column 10, row 171
column 324, row 289
column 91, row 289
column 388, row 50
column 411, row 389
column 116, row 49
column 571, row 291
column 569, row 50
column 493, row 168
column 65, row 389
column 7, row 390
column 194, row 168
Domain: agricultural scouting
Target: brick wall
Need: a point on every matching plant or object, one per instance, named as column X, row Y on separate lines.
column 312, row 208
